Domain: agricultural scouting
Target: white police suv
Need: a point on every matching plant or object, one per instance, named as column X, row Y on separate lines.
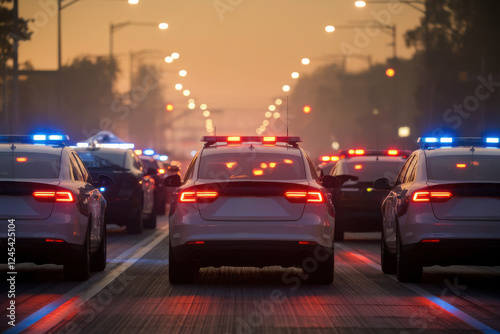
column 251, row 201
column 444, row 208
column 50, row 209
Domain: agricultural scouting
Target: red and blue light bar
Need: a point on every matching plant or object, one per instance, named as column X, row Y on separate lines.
column 363, row 152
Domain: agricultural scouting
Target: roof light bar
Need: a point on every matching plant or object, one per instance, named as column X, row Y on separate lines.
column 440, row 142
column 35, row 139
column 212, row 140
column 359, row 152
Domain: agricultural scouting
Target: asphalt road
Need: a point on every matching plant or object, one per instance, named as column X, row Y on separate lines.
column 133, row 295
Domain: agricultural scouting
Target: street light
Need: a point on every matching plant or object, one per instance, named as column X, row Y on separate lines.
column 117, row 26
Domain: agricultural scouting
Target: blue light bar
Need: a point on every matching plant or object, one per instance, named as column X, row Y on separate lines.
column 39, row 137
column 492, row 140
column 148, row 152
column 447, row 142
column 163, row 157
column 55, row 137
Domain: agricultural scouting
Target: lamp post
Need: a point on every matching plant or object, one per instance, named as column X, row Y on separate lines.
column 117, row 26
column 415, row 5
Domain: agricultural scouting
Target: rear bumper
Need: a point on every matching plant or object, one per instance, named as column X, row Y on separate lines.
column 120, row 211
column 254, row 253
column 480, row 252
column 38, row 251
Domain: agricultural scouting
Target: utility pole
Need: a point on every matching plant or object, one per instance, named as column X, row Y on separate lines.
column 15, row 69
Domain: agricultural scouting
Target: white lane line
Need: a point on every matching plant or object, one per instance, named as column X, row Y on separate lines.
column 83, row 292
column 427, row 295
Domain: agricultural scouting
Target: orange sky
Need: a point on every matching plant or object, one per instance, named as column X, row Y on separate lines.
column 237, row 58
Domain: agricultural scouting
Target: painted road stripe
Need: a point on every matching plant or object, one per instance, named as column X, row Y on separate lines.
column 427, row 295
column 83, row 292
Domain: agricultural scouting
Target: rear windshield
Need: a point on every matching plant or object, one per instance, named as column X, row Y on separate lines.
column 464, row 168
column 29, row 165
column 108, row 160
column 253, row 166
column 368, row 171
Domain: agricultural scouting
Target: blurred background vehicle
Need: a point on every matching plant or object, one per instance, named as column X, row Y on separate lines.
column 357, row 203
column 157, row 171
column 131, row 198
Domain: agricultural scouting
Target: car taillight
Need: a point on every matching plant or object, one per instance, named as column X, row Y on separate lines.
column 305, row 196
column 192, row 196
column 54, row 196
column 431, row 196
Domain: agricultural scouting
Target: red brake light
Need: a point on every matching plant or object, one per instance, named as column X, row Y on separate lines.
column 358, row 167
column 161, row 171
column 305, row 196
column 191, row 196
column 461, row 165
column 54, row 196
column 434, row 196
column 21, row 159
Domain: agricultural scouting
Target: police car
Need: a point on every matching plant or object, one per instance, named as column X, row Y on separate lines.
column 357, row 203
column 444, row 207
column 251, row 201
column 58, row 213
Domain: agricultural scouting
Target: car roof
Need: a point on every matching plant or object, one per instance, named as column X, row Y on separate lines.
column 461, row 151
column 102, row 150
column 245, row 148
column 31, row 148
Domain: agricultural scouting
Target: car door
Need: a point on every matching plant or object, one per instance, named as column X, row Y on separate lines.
column 394, row 202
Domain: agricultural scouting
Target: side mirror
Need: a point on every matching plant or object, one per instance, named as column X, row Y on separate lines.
column 346, row 177
column 104, row 181
column 329, row 181
column 172, row 181
column 382, row 183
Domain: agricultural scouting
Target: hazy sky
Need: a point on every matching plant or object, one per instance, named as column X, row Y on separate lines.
column 238, row 53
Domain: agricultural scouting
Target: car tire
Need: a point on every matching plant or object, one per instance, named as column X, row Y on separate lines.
column 387, row 260
column 136, row 225
column 178, row 273
column 324, row 273
column 79, row 269
column 407, row 269
column 150, row 223
column 98, row 260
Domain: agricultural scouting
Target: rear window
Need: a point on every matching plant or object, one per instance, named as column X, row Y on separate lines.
column 108, row 160
column 29, row 165
column 464, row 168
column 368, row 171
column 253, row 166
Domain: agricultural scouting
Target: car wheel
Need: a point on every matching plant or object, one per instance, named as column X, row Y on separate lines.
column 324, row 273
column 135, row 224
column 151, row 221
column 407, row 270
column 98, row 260
column 178, row 273
column 387, row 260
column 79, row 269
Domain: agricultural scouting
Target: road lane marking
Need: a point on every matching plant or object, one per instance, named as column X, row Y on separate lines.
column 86, row 290
column 427, row 295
